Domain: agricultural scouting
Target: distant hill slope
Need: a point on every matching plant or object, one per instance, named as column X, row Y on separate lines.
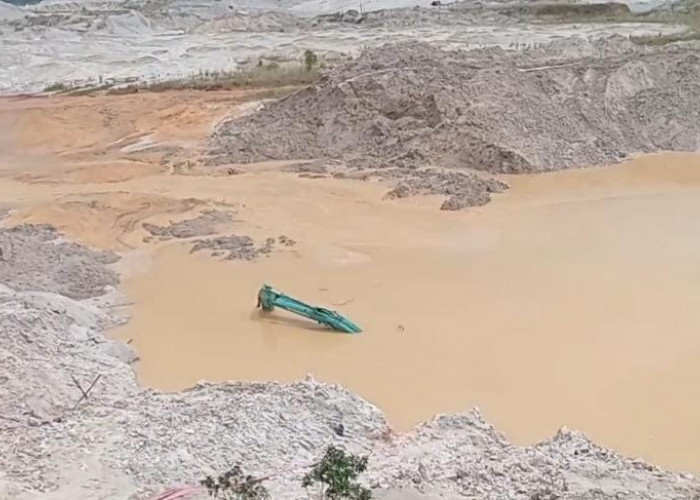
column 20, row 2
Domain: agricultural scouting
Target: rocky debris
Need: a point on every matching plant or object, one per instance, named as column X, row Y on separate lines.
column 409, row 105
column 462, row 189
column 234, row 247
column 286, row 241
column 466, row 455
column 277, row 430
column 34, row 258
column 160, row 440
column 50, row 343
column 204, row 224
column 231, row 247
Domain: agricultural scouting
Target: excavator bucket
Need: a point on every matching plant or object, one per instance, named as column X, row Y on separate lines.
column 268, row 299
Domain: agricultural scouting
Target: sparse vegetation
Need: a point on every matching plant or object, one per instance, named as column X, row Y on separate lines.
column 335, row 476
column 276, row 73
column 56, row 87
column 262, row 75
column 236, row 485
column 75, row 88
column 310, row 60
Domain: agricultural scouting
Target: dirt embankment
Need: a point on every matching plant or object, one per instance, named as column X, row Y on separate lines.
column 33, row 258
column 412, row 105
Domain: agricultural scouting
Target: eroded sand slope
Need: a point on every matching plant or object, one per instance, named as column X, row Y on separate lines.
column 566, row 104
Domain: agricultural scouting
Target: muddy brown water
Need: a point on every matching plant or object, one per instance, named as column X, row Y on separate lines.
column 574, row 299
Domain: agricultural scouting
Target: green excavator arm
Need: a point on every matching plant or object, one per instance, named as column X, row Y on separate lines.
column 268, row 299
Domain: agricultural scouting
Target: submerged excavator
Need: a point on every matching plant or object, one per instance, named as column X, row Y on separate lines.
column 268, row 299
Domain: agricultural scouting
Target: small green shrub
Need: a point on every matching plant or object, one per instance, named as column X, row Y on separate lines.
column 336, row 476
column 310, row 60
column 56, row 87
column 235, row 485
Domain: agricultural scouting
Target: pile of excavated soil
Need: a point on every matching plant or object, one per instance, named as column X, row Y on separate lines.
column 42, row 326
column 231, row 247
column 203, row 225
column 32, row 257
column 122, row 441
column 50, row 342
column 409, row 105
column 461, row 189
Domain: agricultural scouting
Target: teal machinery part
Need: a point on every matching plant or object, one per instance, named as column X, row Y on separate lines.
column 269, row 298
